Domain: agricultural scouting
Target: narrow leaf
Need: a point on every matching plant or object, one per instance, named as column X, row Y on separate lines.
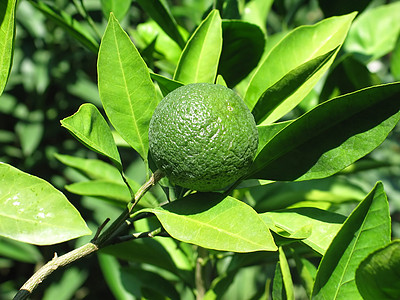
column 200, row 57
column 275, row 95
column 290, row 53
column 70, row 25
column 378, row 275
column 126, row 90
column 34, row 212
column 90, row 128
column 365, row 230
column 160, row 13
column 208, row 221
column 287, row 278
column 7, row 32
column 321, row 142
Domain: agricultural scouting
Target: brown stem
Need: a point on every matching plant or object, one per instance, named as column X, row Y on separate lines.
column 51, row 266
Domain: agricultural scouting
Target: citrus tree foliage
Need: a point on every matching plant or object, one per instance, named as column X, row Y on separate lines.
column 323, row 92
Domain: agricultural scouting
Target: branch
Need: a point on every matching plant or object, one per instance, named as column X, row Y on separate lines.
column 99, row 241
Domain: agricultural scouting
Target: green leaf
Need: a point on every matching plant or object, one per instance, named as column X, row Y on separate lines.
column 166, row 85
column 70, row 25
column 66, row 287
column 324, row 225
column 118, row 7
column 111, row 270
column 299, row 46
column 19, row 251
column 100, row 188
column 126, row 90
column 207, row 220
column 306, row 271
column 378, row 275
column 287, row 278
column 160, row 13
column 278, row 288
column 374, row 32
column 267, row 132
column 91, row 129
column 34, row 212
column 348, row 75
column 340, row 7
column 92, row 168
column 242, row 47
column 289, row 84
column 7, row 32
column 365, row 230
column 199, row 58
column 395, row 61
column 321, row 142
column 256, row 12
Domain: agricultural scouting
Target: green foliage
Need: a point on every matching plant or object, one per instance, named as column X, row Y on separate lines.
column 320, row 80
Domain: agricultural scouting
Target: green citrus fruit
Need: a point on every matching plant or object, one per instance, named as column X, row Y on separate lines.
column 203, row 136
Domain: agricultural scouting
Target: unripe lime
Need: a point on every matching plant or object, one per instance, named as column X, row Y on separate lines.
column 203, row 136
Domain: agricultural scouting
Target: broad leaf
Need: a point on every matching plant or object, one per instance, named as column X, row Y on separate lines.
column 7, row 31
column 275, row 95
column 34, row 212
column 90, row 128
column 321, row 142
column 206, row 220
column 290, row 53
column 199, row 58
column 267, row 132
column 395, row 61
column 70, row 25
column 126, row 90
column 378, row 275
column 366, row 230
column 160, row 13
column 324, row 225
column 243, row 45
column 19, row 251
column 374, row 32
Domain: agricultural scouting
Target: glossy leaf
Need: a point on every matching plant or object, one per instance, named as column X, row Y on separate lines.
column 275, row 95
column 321, row 142
column 242, row 47
column 378, row 276
column 365, row 230
column 267, row 132
column 101, row 188
column 200, row 57
column 7, row 32
column 34, row 212
column 290, row 53
column 70, row 25
column 166, row 85
column 160, row 13
column 126, row 90
column 117, row 7
column 324, row 225
column 374, row 32
column 91, row 129
column 208, row 221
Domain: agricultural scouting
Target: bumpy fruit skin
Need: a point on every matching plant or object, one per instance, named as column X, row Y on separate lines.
column 203, row 137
